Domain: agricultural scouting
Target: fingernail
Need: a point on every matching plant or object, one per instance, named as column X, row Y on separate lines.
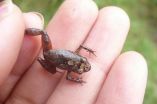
column 6, row 6
column 40, row 16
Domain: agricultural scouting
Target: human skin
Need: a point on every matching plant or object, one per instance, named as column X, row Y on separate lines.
column 115, row 77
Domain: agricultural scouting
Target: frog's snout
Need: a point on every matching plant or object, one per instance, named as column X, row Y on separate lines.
column 87, row 67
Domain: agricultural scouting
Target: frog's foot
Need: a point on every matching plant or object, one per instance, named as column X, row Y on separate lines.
column 50, row 68
column 34, row 31
column 86, row 48
column 77, row 80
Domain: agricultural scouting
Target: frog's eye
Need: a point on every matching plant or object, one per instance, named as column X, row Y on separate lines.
column 87, row 68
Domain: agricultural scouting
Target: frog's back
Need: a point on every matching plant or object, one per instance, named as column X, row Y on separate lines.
column 61, row 56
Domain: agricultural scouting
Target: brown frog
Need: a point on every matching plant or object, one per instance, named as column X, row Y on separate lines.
column 60, row 58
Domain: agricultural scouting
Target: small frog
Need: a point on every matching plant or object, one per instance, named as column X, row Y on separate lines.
column 59, row 58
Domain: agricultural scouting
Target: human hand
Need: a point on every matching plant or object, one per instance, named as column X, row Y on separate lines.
column 114, row 78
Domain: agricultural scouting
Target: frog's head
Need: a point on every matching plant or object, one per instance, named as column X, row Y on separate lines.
column 84, row 66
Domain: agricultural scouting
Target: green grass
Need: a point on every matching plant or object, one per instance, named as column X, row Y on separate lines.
column 46, row 7
column 140, row 37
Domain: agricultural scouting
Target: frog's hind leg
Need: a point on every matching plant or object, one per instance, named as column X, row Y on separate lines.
column 46, row 42
column 85, row 48
column 50, row 68
column 34, row 31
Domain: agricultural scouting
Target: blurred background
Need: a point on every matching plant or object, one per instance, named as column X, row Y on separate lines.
column 142, row 36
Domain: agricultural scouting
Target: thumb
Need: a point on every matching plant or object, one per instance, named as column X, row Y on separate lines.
column 11, row 35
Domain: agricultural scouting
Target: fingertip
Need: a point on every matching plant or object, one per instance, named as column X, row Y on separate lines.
column 34, row 20
column 132, row 64
column 115, row 16
column 72, row 9
column 73, row 20
column 135, row 59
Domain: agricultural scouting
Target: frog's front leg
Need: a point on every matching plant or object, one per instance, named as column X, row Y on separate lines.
column 78, row 80
column 50, row 68
column 85, row 48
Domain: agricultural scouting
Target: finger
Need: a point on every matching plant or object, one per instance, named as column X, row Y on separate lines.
column 37, row 85
column 11, row 30
column 106, row 38
column 28, row 52
column 72, row 23
column 126, row 81
column 31, row 45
